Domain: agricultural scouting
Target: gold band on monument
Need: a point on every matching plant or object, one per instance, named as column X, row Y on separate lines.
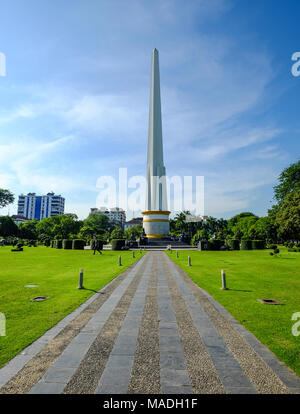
column 157, row 212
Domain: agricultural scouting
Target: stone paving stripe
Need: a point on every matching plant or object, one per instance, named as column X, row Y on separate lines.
column 145, row 373
column 87, row 376
column 202, row 373
column 290, row 381
column 92, row 329
column 222, row 358
column 116, row 376
column 174, row 378
column 9, row 373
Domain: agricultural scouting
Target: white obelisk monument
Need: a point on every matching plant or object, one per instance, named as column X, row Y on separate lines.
column 156, row 217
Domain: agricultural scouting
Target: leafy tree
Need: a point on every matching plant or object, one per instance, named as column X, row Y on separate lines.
column 98, row 222
column 288, row 217
column 233, row 221
column 136, row 230
column 201, row 235
column 65, row 225
column 180, row 223
column 6, row 198
column 28, row 230
column 264, row 229
column 8, row 227
column 86, row 232
column 243, row 227
column 289, row 180
column 117, row 233
column 58, row 227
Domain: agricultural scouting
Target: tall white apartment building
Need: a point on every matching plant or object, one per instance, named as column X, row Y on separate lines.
column 115, row 215
column 37, row 207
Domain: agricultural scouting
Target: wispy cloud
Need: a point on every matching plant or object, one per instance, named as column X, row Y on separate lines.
column 88, row 114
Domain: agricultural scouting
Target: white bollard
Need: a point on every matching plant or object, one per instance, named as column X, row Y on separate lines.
column 81, row 279
column 223, row 276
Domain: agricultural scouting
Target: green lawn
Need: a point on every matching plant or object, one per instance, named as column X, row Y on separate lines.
column 251, row 275
column 56, row 272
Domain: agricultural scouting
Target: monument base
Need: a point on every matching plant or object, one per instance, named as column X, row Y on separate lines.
column 156, row 224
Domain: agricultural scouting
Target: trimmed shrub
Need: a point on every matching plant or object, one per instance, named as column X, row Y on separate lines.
column 67, row 244
column 272, row 246
column 117, row 244
column 233, row 244
column 246, row 245
column 258, row 244
column 78, row 244
column 204, row 245
column 58, row 244
column 215, row 244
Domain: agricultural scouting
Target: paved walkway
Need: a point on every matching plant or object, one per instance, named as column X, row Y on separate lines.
column 150, row 331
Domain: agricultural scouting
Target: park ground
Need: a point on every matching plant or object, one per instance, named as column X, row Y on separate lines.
column 253, row 275
column 250, row 275
column 56, row 274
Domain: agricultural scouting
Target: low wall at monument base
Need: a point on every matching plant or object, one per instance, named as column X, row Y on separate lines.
column 156, row 224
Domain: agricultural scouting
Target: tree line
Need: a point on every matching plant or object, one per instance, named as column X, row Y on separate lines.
column 280, row 225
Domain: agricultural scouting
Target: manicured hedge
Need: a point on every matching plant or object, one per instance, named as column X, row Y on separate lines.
column 215, row 244
column 246, row 245
column 233, row 244
column 78, row 244
column 58, row 244
column 67, row 244
column 258, row 244
column 204, row 245
column 116, row 244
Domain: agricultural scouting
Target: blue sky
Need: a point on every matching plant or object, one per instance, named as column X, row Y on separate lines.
column 74, row 103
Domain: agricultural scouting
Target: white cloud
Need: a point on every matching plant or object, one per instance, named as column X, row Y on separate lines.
column 212, row 89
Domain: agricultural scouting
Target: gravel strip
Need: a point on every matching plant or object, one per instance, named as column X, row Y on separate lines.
column 34, row 370
column 203, row 376
column 258, row 372
column 145, row 374
column 89, row 372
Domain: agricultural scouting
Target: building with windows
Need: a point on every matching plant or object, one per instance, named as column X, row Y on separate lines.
column 115, row 215
column 37, row 207
column 133, row 222
column 18, row 219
